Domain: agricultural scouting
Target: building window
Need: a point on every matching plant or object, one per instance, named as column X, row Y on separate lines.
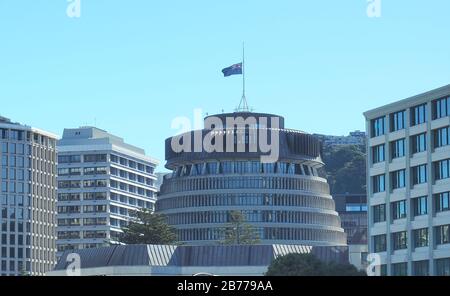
column 398, row 148
column 378, row 127
column 420, row 237
column 379, row 213
column 379, row 184
column 399, row 240
column 378, row 154
column 420, row 206
column 398, row 179
column 400, row 269
column 419, row 174
column 397, row 121
column 379, row 242
column 421, row 268
column 441, row 169
column 419, row 143
column 442, row 201
column 441, row 108
column 399, row 210
column 443, row 267
column 419, row 114
column 442, row 234
column 441, row 137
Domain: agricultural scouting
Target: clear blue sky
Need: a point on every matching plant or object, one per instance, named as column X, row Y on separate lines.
column 132, row 66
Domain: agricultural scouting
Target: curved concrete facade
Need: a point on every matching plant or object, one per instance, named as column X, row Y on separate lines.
column 286, row 201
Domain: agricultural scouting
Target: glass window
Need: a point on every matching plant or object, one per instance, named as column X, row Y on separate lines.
column 399, row 210
column 443, row 267
column 397, row 121
column 418, row 114
column 379, row 243
column 398, row 148
column 441, row 108
column 419, row 174
column 443, row 234
column 378, row 183
column 441, row 137
column 398, row 179
column 420, row 237
column 400, row 269
column 442, row 201
column 400, row 240
column 441, row 169
column 378, row 154
column 378, row 126
column 379, row 213
column 419, row 143
column 420, row 206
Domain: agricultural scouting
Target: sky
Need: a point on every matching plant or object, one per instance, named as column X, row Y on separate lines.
column 131, row 67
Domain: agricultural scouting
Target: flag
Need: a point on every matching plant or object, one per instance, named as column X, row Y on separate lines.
column 236, row 69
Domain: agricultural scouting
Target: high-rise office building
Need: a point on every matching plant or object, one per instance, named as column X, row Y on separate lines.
column 408, row 182
column 28, row 199
column 101, row 182
column 285, row 200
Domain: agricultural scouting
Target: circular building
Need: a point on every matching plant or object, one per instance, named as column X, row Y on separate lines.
column 250, row 163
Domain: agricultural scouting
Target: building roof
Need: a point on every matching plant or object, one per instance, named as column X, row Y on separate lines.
column 409, row 102
column 169, row 255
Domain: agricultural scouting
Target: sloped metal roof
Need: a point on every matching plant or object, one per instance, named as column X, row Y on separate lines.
column 169, row 255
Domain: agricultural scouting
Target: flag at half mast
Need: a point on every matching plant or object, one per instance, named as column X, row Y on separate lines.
column 235, row 69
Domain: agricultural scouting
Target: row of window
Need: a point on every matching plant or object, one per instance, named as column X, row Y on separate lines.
column 65, row 247
column 131, row 188
column 85, row 183
column 441, row 137
column 243, row 167
column 255, row 216
column 418, row 176
column 78, row 158
column 419, row 207
column 420, row 239
column 132, row 164
column 131, row 176
column 86, row 221
column 247, row 199
column 419, row 268
column 88, row 234
column 86, row 209
column 266, row 233
column 13, row 148
column 86, row 171
column 82, row 196
column 279, row 183
column 418, row 115
column 20, row 135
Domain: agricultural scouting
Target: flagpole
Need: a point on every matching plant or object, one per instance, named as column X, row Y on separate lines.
column 243, row 70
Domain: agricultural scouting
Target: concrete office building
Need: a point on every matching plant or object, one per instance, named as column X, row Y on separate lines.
column 352, row 209
column 286, row 201
column 408, row 184
column 101, row 181
column 27, row 199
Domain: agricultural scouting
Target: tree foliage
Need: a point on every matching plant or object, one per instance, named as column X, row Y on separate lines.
column 148, row 228
column 345, row 168
column 309, row 265
column 239, row 232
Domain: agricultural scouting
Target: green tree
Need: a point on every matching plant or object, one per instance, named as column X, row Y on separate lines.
column 148, row 228
column 238, row 232
column 309, row 265
column 345, row 168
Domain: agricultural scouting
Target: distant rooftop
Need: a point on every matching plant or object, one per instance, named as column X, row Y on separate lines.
column 4, row 119
column 89, row 136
